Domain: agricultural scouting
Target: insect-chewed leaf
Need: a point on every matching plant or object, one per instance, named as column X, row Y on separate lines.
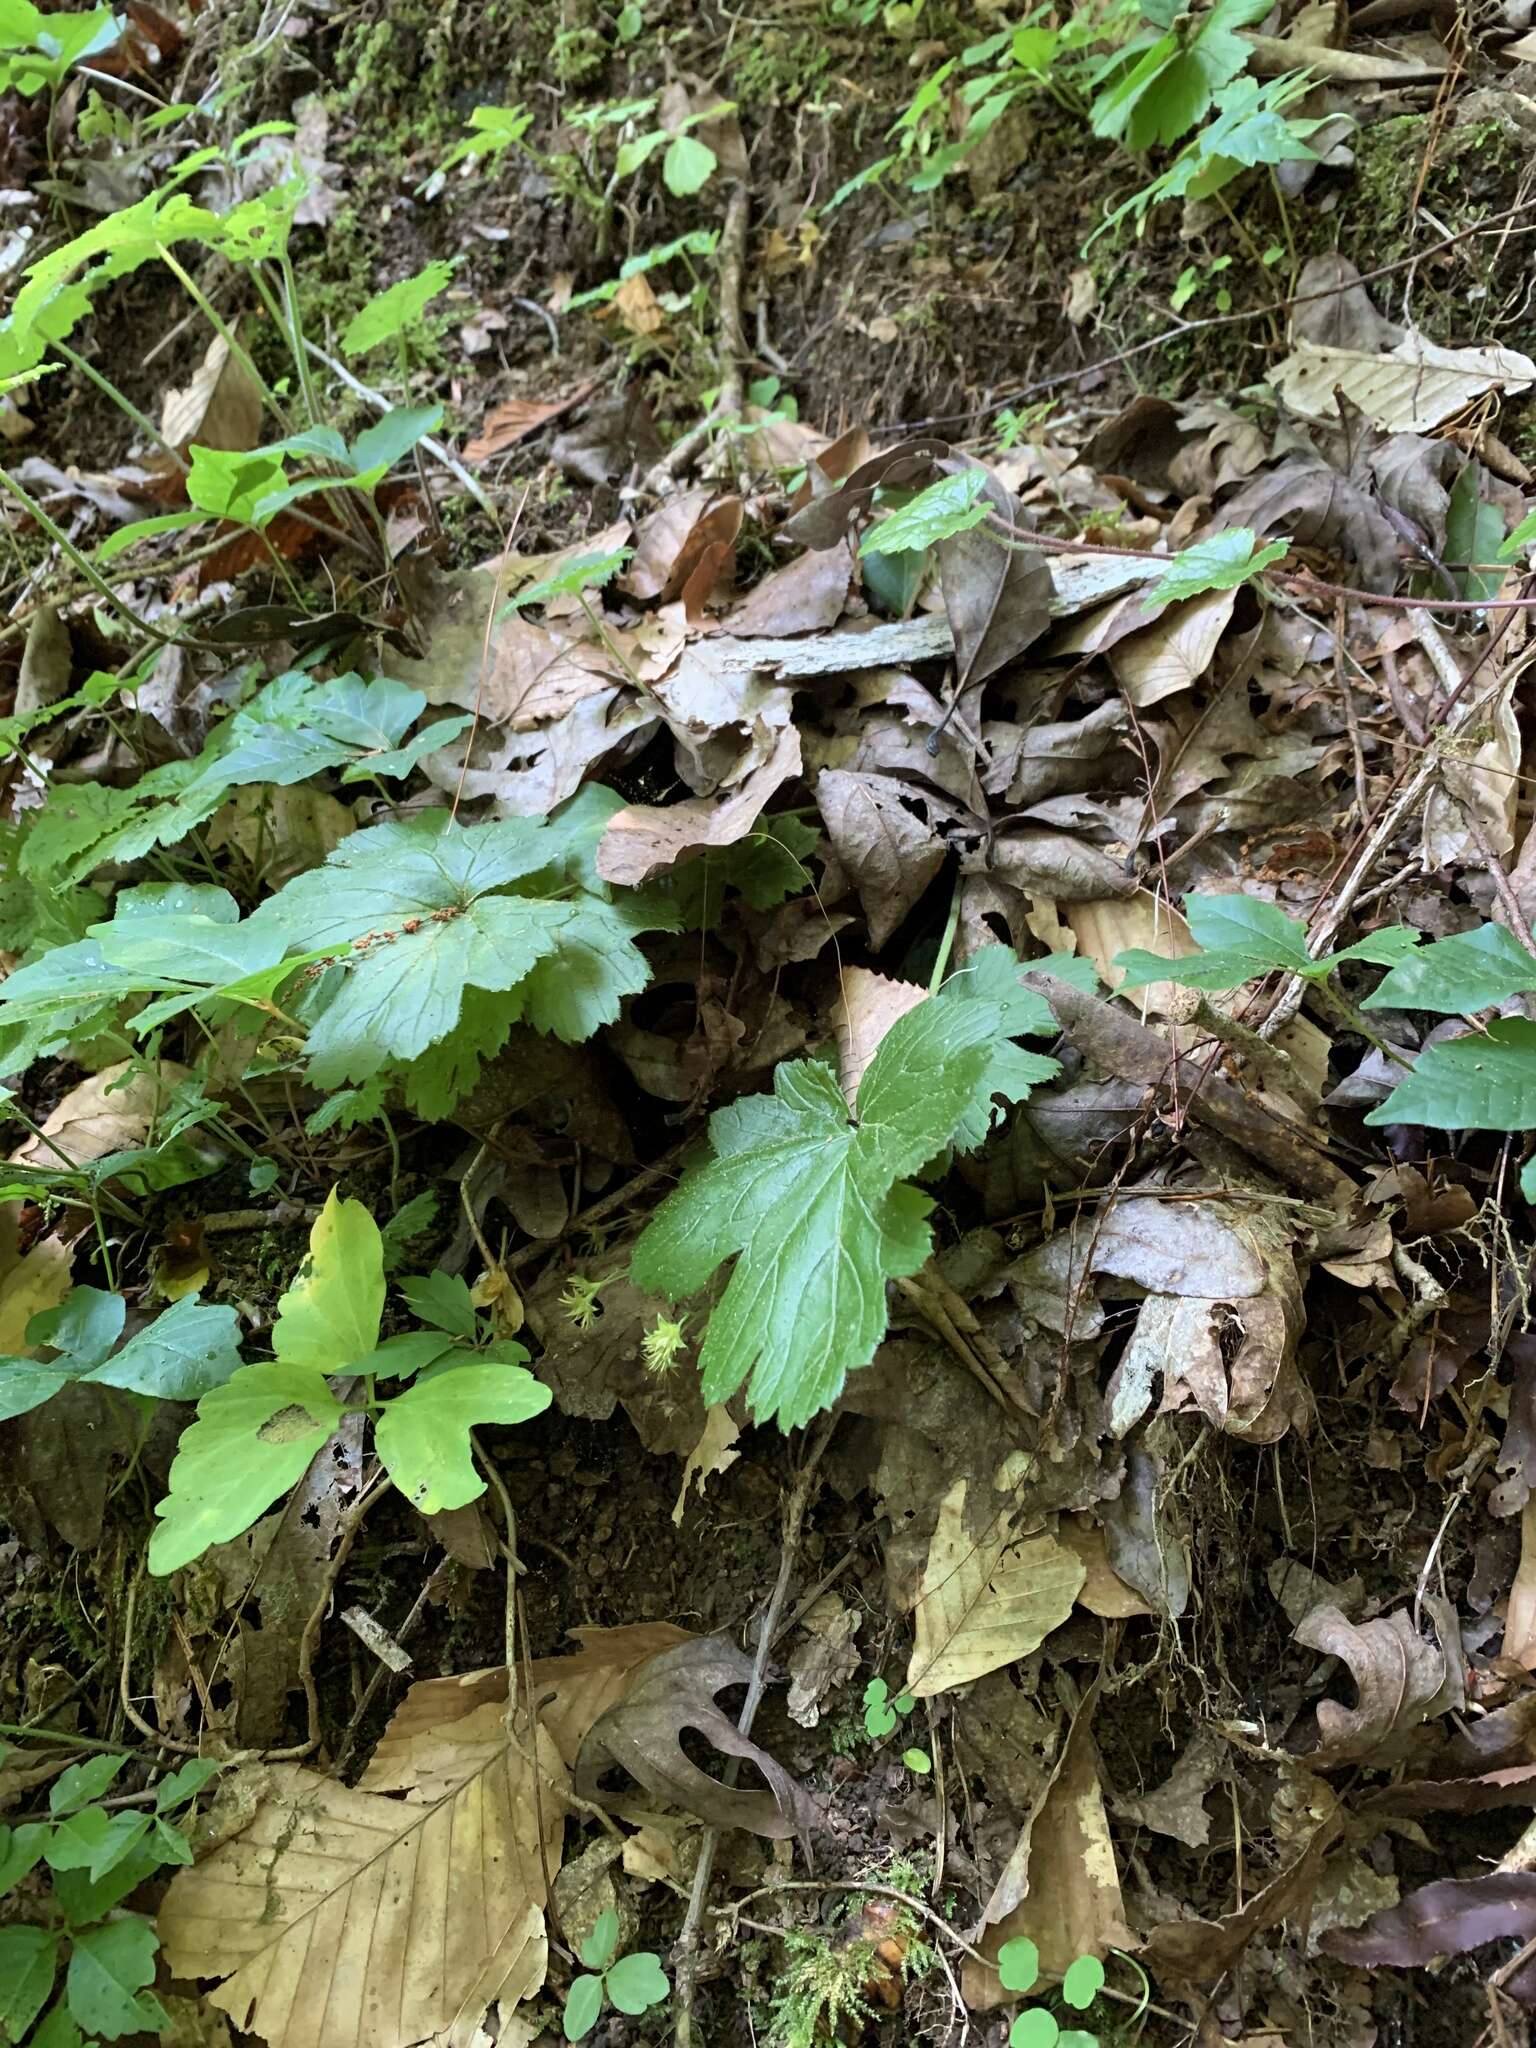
column 251, row 1442
column 815, row 1205
column 329, row 1317
column 423, row 1434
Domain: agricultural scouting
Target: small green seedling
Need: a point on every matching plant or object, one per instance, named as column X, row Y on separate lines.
column 880, row 1710
column 97, row 1856
column 1018, row 1966
column 633, row 1984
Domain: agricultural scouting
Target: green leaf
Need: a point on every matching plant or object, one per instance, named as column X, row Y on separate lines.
column 1523, row 537
column 1485, row 1081
column 394, row 311
column 128, row 536
column 422, row 1435
column 582, row 572
column 109, row 1966
column 597, row 1950
column 1528, row 1180
column 405, row 1226
column 252, row 1441
column 1034, row 2028
column 95, row 1841
column 397, row 762
column 329, row 1318
column 57, row 2030
column 1241, row 937
column 21, row 1850
column 1470, row 971
column 1474, row 532
column 637, row 1982
column 1018, row 1964
column 687, row 166
column 29, row 1958
column 385, row 443
column 444, row 1300
column 917, row 1760
column 82, row 1783
column 1083, row 1982
column 947, row 506
column 583, row 2007
column 815, row 1207
column 183, row 1784
column 1221, row 562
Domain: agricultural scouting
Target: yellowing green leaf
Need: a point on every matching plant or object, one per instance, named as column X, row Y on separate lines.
column 252, row 1440
column 329, row 1317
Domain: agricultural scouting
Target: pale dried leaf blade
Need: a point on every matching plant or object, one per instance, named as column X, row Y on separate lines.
column 868, row 1004
column 1412, row 388
column 342, row 1919
column 712, row 1453
column 985, row 1601
column 219, row 408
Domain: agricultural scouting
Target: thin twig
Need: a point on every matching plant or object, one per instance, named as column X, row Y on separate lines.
column 686, row 1951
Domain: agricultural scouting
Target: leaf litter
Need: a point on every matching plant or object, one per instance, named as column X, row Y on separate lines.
column 958, row 1174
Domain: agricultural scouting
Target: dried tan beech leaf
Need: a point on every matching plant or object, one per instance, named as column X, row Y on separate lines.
column 1413, row 387
column 868, row 1004
column 644, row 840
column 219, row 408
column 1175, row 652
column 103, row 1114
column 569, row 1693
column 343, row 1919
column 986, row 1599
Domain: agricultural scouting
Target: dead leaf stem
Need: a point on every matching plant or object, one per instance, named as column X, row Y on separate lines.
column 686, row 1951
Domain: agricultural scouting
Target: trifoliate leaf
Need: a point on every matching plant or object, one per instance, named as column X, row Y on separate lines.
column 1470, row 971
column 251, row 1442
column 637, row 1982
column 1485, row 1081
column 1222, row 562
column 945, row 507
column 816, row 1208
column 422, row 1435
column 330, row 1316
column 396, row 311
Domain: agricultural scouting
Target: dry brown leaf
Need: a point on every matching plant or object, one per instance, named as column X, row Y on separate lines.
column 636, row 305
column 676, row 1691
column 1113, row 925
column 1060, row 1887
column 644, row 840
column 1103, row 1591
column 220, row 407
column 518, row 418
column 1412, row 387
column 1474, row 806
column 568, row 1695
column 805, row 596
column 987, row 1596
column 1175, row 651
column 867, row 1005
column 889, row 854
column 1401, row 1681
column 344, row 1919
column 828, row 1657
column 103, row 1113
column 30, row 1281
column 711, row 1454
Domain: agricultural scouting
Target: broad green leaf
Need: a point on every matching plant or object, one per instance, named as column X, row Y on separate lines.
column 395, row 311
column 1035, row 2028
column 815, row 1208
column 21, row 1850
column 397, row 762
column 597, row 1950
column 381, row 446
column 56, row 2029
column 442, row 1299
column 583, row 2007
column 947, row 506
column 231, row 485
column 109, row 1968
column 1470, row 971
column 687, row 166
column 1221, row 562
column 95, row 1841
column 329, row 1318
column 185, row 1352
column 1241, row 937
column 180, row 1785
column 637, row 1982
column 83, row 1899
column 29, row 1958
column 82, row 1783
column 408, row 1352
column 1485, row 1081
column 84, row 1327
column 1083, row 1982
column 251, row 1442
column 1528, row 1180
column 422, row 1435
column 1474, row 532
column 1018, row 1964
